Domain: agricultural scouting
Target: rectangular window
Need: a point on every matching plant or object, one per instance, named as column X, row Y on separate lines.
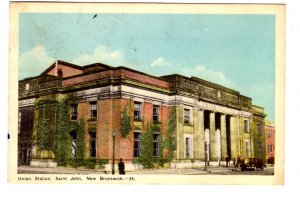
column 187, row 148
column 94, row 110
column 93, row 144
column 137, row 144
column 248, row 149
column 270, row 148
column 269, row 133
column 246, row 126
column 155, row 144
column 186, row 116
column 155, row 113
column 137, row 111
column 74, row 111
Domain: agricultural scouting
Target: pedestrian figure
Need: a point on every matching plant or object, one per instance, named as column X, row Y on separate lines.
column 121, row 166
column 227, row 160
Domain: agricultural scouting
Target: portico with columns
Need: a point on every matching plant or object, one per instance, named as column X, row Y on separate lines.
column 217, row 130
column 215, row 124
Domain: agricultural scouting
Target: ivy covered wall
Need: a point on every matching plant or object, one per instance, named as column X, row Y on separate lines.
column 167, row 143
column 54, row 132
column 44, row 127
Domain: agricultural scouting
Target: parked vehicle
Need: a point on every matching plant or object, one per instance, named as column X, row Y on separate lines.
column 253, row 164
column 271, row 160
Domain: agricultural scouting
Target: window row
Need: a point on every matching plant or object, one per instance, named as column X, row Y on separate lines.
column 156, row 113
column 136, row 148
column 92, row 144
column 138, row 112
column 93, row 110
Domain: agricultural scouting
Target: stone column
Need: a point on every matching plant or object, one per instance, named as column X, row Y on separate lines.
column 233, row 136
column 199, row 134
column 196, row 133
column 202, row 135
column 223, row 137
column 212, row 136
column 218, row 144
column 206, row 139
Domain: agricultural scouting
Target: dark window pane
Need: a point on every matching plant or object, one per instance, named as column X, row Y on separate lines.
column 136, row 144
column 155, row 113
column 187, row 148
column 92, row 144
column 137, row 110
column 186, row 116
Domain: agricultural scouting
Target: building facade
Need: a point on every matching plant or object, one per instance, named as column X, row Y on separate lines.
column 191, row 120
column 270, row 141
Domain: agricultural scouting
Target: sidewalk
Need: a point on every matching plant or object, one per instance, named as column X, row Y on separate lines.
column 64, row 170
column 57, row 170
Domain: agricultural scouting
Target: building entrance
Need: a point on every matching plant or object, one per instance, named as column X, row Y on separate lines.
column 24, row 156
column 26, row 120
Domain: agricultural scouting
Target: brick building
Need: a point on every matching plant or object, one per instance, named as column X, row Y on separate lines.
column 208, row 121
column 270, row 141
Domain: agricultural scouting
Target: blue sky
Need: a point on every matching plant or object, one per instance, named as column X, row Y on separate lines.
column 236, row 51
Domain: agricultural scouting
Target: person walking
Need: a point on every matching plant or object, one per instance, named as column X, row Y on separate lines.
column 121, row 166
column 227, row 160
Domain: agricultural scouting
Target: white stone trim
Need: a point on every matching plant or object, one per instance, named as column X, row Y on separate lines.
column 136, row 99
column 26, row 102
column 156, row 103
column 142, row 95
column 45, row 163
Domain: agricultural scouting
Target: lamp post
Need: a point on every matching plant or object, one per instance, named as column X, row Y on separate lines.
column 113, row 159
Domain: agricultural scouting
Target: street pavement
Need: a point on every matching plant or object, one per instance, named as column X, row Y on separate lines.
column 211, row 170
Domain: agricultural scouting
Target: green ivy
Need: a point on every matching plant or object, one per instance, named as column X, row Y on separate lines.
column 126, row 122
column 62, row 146
column 259, row 140
column 44, row 137
column 170, row 142
column 43, row 134
column 57, row 137
column 146, row 157
column 80, row 141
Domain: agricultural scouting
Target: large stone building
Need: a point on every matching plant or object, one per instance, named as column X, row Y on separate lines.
column 202, row 120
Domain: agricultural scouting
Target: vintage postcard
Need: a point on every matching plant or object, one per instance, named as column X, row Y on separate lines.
column 145, row 93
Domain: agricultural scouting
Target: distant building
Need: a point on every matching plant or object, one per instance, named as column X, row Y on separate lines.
column 208, row 121
column 270, row 141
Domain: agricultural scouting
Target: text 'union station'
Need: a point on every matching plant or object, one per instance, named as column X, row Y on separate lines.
column 101, row 112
